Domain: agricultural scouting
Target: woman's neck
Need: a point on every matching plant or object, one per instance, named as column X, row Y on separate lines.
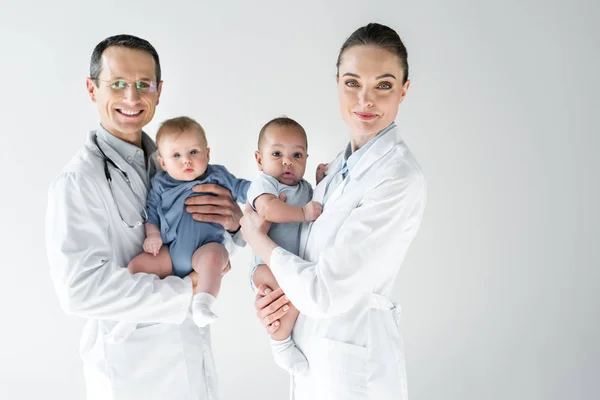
column 358, row 140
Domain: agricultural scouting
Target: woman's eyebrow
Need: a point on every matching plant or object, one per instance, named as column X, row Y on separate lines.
column 388, row 75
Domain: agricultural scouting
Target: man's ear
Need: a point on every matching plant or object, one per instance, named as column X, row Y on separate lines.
column 159, row 91
column 91, row 88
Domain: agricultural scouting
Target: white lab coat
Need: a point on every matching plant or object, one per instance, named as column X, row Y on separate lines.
column 348, row 328
column 167, row 356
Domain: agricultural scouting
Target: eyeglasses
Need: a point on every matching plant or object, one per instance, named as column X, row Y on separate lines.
column 108, row 161
column 119, row 85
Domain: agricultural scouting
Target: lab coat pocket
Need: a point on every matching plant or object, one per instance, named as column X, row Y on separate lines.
column 341, row 371
column 150, row 354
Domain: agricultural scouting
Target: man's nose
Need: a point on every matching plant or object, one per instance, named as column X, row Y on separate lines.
column 131, row 93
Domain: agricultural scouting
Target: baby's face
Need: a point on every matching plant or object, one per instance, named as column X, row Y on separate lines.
column 282, row 154
column 183, row 155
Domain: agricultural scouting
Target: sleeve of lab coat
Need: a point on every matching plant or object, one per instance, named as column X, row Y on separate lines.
column 87, row 281
column 374, row 239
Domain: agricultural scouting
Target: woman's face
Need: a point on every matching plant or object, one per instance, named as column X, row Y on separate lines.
column 370, row 88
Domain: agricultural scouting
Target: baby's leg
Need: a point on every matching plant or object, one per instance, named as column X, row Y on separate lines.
column 208, row 261
column 159, row 264
column 285, row 352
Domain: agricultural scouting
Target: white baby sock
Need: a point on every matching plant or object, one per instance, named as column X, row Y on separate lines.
column 201, row 309
column 288, row 356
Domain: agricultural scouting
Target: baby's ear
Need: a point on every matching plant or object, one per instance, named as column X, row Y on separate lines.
column 161, row 162
column 207, row 153
column 258, row 158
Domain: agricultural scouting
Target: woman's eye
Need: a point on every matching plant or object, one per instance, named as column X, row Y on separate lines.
column 351, row 83
column 384, row 85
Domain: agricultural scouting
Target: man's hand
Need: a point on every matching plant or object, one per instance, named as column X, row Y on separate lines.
column 220, row 209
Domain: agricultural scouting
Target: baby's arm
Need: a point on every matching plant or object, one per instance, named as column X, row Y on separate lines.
column 153, row 241
column 273, row 209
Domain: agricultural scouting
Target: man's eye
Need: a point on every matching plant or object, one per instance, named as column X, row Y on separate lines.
column 118, row 85
column 142, row 85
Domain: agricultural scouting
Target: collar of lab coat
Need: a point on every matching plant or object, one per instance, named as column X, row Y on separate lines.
column 380, row 148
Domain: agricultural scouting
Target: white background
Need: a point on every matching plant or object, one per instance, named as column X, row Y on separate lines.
column 500, row 288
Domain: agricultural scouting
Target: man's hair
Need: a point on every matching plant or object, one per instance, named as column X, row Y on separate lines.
column 128, row 41
column 281, row 121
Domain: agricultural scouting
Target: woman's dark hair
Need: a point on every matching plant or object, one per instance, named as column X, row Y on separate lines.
column 380, row 36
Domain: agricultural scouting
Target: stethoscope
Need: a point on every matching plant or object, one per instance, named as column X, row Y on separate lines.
column 107, row 161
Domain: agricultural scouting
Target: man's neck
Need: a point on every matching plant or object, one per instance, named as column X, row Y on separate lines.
column 133, row 138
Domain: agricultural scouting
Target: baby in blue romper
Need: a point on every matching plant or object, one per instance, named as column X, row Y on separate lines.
column 281, row 159
column 176, row 243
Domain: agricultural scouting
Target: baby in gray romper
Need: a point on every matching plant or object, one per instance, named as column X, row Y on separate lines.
column 281, row 159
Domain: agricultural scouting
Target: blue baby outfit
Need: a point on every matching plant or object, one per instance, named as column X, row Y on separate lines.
column 183, row 234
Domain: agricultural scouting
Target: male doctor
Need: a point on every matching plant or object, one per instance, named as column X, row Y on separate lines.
column 95, row 226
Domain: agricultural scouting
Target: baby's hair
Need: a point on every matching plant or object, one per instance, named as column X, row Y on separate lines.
column 177, row 126
column 282, row 121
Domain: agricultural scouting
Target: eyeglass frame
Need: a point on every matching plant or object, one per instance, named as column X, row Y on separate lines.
column 153, row 85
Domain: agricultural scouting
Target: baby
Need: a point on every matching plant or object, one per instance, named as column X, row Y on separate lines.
column 176, row 243
column 281, row 158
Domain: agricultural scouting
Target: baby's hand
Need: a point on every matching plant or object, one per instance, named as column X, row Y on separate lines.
column 152, row 244
column 321, row 170
column 312, row 211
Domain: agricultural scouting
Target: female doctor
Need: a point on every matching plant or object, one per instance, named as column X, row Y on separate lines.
column 373, row 197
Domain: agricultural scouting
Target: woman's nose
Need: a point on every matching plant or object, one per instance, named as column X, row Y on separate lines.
column 364, row 98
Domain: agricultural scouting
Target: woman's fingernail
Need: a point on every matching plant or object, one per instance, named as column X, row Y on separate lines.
column 267, row 291
column 286, row 307
column 276, row 323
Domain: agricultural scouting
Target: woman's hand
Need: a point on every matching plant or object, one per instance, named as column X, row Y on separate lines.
column 220, row 209
column 253, row 225
column 321, row 172
column 270, row 306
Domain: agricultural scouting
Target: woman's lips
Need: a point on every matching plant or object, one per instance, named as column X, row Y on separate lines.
column 365, row 116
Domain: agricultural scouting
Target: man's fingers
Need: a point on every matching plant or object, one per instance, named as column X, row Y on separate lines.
column 217, row 219
column 211, row 188
column 209, row 209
